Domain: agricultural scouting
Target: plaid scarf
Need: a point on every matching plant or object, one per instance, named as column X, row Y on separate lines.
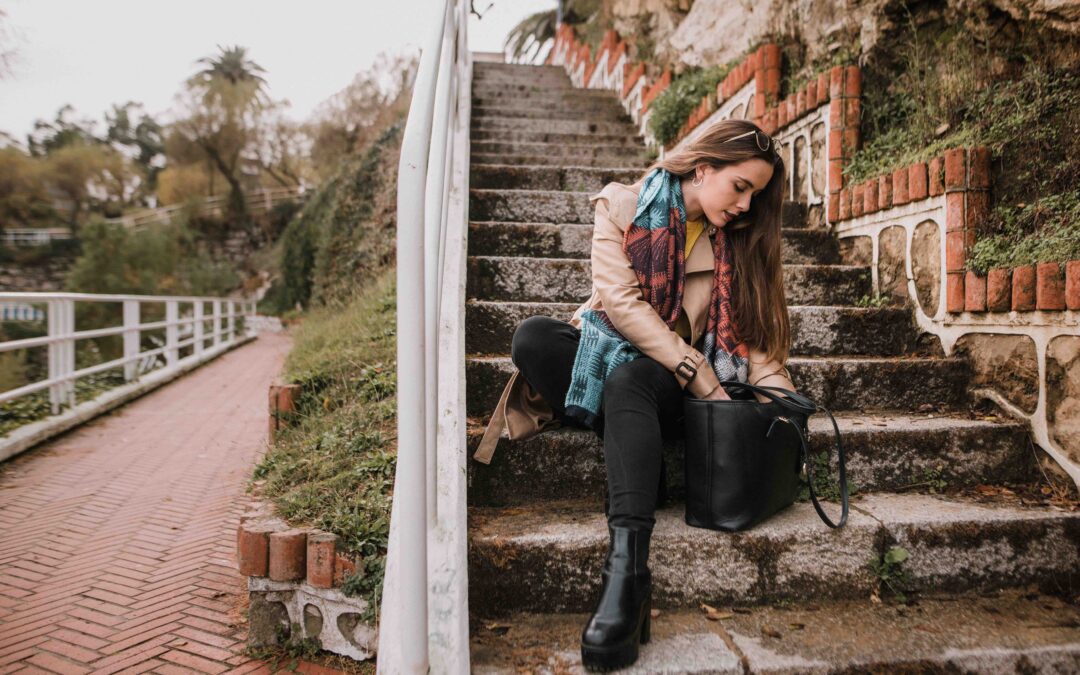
column 654, row 244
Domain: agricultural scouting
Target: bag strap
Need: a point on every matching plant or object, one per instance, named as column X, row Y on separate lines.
column 799, row 403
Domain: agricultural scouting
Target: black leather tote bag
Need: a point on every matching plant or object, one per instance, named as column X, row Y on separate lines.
column 743, row 457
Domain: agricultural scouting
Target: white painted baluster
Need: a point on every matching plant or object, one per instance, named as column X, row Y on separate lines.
column 217, row 322
column 67, row 348
column 54, row 328
column 131, row 338
column 230, row 322
column 198, row 306
column 172, row 333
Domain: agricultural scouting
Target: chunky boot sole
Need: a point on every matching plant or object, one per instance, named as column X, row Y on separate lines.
column 597, row 659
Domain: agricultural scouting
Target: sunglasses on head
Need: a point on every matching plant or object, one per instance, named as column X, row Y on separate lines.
column 762, row 145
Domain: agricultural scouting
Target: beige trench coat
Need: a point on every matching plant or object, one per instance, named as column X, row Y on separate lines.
column 523, row 413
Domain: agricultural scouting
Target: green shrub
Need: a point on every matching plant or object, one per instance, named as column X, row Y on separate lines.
column 335, row 468
column 673, row 106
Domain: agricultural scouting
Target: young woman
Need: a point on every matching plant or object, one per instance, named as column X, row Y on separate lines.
column 687, row 291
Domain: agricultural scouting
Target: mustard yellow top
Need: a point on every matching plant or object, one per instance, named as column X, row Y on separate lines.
column 694, row 228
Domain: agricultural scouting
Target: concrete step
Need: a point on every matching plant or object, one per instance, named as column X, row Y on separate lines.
column 889, row 451
column 547, row 557
column 509, row 93
column 566, row 178
column 815, row 330
column 546, row 240
column 599, row 112
column 484, row 68
column 1010, row 631
column 531, row 206
column 558, row 150
column 509, row 136
column 834, row 382
column 570, row 280
column 561, row 126
column 566, row 161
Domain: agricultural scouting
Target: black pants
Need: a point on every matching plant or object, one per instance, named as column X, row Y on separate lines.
column 642, row 404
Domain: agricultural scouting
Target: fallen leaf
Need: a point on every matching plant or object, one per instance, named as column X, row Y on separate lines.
column 942, row 129
column 740, row 610
column 654, row 613
column 499, row 628
column 796, row 626
column 770, row 631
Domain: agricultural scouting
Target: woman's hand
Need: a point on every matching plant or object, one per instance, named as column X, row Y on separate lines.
column 717, row 394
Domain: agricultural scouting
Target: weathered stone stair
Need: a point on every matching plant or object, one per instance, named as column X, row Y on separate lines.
column 537, row 533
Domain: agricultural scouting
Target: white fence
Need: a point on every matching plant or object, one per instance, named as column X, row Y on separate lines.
column 185, row 325
column 424, row 619
column 29, row 236
column 258, row 201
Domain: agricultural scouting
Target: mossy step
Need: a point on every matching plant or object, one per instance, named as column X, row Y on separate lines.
column 570, row 280
column 597, row 112
column 557, row 138
column 574, row 240
column 546, row 557
column 1012, row 631
column 562, row 126
column 886, row 451
column 815, row 330
column 571, row 179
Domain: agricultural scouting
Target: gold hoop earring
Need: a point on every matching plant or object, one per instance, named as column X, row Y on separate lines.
column 697, row 181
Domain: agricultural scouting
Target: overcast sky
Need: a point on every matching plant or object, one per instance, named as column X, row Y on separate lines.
column 93, row 53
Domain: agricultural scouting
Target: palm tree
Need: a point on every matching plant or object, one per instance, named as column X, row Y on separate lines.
column 231, row 65
column 526, row 39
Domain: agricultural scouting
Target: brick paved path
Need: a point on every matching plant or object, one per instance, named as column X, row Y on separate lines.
column 117, row 541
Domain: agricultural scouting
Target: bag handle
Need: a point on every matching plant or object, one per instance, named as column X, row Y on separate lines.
column 801, row 404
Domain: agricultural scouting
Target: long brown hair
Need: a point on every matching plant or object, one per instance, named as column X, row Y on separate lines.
column 759, row 304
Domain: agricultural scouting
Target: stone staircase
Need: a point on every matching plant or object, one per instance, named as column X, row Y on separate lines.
column 537, row 534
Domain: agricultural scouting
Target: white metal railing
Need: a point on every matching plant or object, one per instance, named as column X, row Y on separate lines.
column 183, row 329
column 29, row 236
column 258, row 201
column 424, row 618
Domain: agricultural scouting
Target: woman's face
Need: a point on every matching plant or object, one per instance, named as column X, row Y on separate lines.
column 725, row 192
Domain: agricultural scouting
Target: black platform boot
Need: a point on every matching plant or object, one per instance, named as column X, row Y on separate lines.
column 621, row 620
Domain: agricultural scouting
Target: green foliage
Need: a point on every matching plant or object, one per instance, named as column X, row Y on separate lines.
column 876, row 300
column 345, row 232
column 159, row 260
column 946, row 87
column 335, row 468
column 673, row 106
column 890, row 572
column 825, row 486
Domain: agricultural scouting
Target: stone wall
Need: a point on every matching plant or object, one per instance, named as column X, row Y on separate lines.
column 43, row 276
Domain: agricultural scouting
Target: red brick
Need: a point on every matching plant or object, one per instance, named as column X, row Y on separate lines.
column 836, row 144
column 253, row 550
column 800, row 103
column 822, row 88
column 917, row 188
column 954, row 292
column 56, row 664
column 852, row 108
column 899, row 186
column 781, row 115
column 955, row 169
column 836, row 82
column 1072, row 284
column 845, row 204
column 287, row 553
column 870, row 196
column 974, row 292
column 936, row 176
column 998, row 290
column 833, row 214
column 836, row 114
column 1049, row 287
column 955, row 251
column 1023, row 288
column 772, row 55
column 772, row 83
column 811, row 95
column 69, row 651
column 979, row 168
column 954, row 212
column 857, row 200
column 321, row 552
column 853, row 82
column 759, row 103
column 851, row 140
column 343, row 569
column 191, row 662
column 836, row 175
column 884, row 191
column 977, row 212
